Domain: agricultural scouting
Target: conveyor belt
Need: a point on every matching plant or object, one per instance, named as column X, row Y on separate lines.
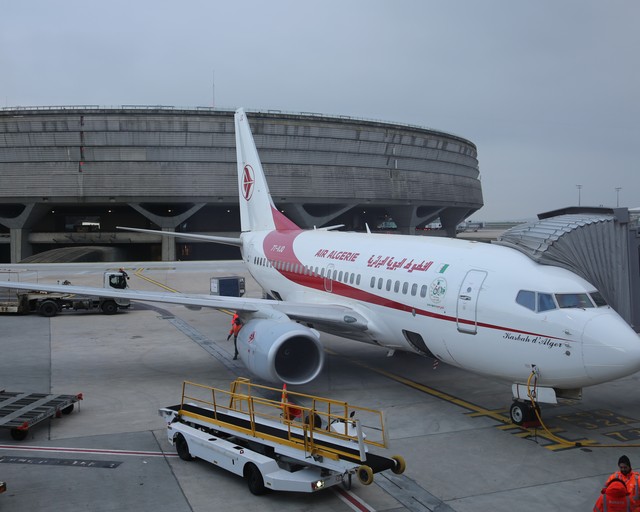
column 376, row 462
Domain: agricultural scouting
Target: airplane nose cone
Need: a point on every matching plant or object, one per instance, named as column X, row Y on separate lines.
column 611, row 349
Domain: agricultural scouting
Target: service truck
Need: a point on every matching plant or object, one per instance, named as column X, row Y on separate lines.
column 293, row 442
column 50, row 304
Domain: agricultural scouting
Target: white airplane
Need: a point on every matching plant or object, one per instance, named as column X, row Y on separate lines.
column 481, row 307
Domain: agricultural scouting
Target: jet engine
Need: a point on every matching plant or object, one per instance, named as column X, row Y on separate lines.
column 280, row 351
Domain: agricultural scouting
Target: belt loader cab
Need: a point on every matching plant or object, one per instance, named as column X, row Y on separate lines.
column 49, row 304
column 117, row 280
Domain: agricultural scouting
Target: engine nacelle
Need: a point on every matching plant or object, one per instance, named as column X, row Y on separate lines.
column 280, row 351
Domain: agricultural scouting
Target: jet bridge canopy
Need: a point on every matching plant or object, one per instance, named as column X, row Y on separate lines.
column 591, row 242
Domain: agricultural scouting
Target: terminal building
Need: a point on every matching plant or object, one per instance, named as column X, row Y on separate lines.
column 71, row 174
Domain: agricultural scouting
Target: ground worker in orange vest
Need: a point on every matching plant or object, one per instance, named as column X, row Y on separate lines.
column 614, row 498
column 235, row 329
column 630, row 479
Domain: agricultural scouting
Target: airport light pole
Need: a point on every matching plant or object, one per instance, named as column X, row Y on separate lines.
column 579, row 187
column 618, row 189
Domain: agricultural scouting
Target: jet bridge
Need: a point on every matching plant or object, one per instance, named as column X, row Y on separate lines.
column 601, row 245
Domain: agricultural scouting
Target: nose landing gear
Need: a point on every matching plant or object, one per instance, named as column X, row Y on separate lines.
column 524, row 413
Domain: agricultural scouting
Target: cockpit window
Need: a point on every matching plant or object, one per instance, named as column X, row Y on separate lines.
column 598, row 299
column 574, row 300
column 527, row 299
column 536, row 301
column 545, row 302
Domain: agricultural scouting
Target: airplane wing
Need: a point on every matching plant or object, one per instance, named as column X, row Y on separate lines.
column 341, row 318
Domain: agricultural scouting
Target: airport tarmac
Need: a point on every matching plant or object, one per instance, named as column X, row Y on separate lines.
column 112, row 453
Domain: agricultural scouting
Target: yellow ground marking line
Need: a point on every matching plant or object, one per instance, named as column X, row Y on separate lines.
column 476, row 409
column 139, row 273
column 497, row 414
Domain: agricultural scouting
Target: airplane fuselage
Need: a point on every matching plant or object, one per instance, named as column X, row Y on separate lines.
column 451, row 299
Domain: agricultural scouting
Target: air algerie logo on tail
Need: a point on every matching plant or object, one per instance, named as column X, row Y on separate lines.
column 248, row 181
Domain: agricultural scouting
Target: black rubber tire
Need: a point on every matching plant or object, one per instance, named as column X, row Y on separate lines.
column 109, row 307
column 522, row 412
column 518, row 413
column 365, row 475
column 48, row 308
column 346, row 483
column 400, row 466
column 182, row 447
column 254, row 479
column 19, row 434
column 68, row 409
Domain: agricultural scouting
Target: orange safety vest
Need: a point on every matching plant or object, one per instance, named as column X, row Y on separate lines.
column 235, row 329
column 614, row 498
column 631, row 481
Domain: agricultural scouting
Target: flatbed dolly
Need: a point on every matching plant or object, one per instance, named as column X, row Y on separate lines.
column 20, row 412
column 274, row 443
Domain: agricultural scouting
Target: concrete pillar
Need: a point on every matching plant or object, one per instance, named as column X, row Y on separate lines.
column 168, row 246
column 20, row 246
column 296, row 213
column 169, row 224
column 451, row 217
column 406, row 218
column 19, row 229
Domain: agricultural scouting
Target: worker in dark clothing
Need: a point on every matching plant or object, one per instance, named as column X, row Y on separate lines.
column 235, row 329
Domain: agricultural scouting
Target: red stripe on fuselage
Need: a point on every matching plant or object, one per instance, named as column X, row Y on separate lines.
column 278, row 246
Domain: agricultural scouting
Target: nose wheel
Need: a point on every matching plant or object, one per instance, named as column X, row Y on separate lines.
column 522, row 413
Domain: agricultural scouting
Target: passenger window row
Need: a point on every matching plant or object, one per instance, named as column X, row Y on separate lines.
column 397, row 286
column 297, row 268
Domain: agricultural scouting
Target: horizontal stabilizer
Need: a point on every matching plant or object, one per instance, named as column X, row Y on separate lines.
column 188, row 236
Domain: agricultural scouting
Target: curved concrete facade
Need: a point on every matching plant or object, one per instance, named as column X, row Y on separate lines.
column 69, row 175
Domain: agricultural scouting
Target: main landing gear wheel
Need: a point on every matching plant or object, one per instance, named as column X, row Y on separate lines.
column 522, row 412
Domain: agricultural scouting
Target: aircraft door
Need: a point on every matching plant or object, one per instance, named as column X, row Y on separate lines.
column 328, row 278
column 467, row 307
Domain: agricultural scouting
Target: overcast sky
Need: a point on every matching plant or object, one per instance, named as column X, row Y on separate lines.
column 548, row 90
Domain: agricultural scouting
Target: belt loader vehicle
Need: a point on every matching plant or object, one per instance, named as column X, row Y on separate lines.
column 275, row 444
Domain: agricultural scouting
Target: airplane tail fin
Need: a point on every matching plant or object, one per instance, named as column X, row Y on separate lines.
column 257, row 210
